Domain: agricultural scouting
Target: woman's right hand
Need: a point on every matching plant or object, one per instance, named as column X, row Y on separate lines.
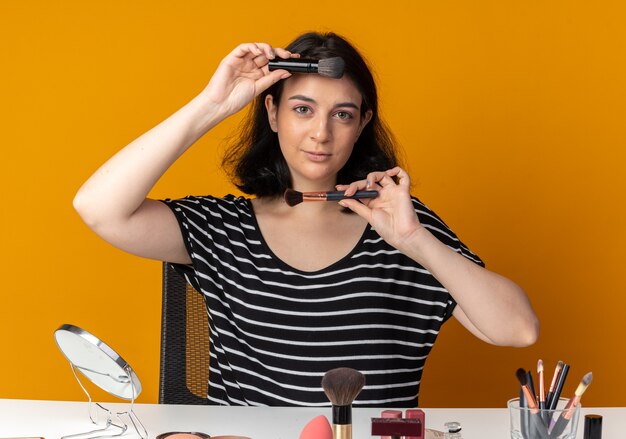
column 113, row 201
column 242, row 75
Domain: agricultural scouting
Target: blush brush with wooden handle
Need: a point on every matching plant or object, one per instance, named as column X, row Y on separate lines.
column 293, row 198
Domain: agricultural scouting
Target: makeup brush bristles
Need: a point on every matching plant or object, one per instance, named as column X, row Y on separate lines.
column 293, row 198
column 558, row 369
column 521, row 376
column 342, row 385
column 584, row 383
column 331, row 67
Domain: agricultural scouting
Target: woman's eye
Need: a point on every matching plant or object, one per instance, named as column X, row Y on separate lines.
column 344, row 115
column 302, row 109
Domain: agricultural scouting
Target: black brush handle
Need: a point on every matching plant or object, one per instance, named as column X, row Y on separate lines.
column 294, row 65
column 549, row 397
column 339, row 195
column 558, row 388
column 545, row 414
column 524, row 415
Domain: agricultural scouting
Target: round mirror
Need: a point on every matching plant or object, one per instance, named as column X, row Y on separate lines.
column 98, row 362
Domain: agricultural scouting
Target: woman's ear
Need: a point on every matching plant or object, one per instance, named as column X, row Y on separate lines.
column 272, row 109
column 364, row 121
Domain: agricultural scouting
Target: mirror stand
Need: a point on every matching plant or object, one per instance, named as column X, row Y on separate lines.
column 115, row 424
column 105, row 368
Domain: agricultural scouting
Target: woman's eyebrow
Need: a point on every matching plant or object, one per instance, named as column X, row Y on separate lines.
column 302, row 98
column 308, row 99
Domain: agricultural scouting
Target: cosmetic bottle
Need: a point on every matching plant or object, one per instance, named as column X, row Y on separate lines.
column 453, row 430
column 593, row 427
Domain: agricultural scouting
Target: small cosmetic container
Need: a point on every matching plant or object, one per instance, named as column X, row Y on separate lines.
column 593, row 427
column 453, row 430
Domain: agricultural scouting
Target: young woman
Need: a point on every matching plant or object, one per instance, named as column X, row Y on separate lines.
column 292, row 292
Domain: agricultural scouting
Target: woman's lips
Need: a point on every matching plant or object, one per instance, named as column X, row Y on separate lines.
column 317, row 156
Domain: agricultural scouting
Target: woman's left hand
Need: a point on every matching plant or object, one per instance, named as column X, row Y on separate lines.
column 492, row 307
column 391, row 213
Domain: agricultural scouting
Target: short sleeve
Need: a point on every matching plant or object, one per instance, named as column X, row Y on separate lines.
column 188, row 213
column 433, row 223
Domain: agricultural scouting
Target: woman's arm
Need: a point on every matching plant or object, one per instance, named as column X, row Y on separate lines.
column 492, row 307
column 113, row 200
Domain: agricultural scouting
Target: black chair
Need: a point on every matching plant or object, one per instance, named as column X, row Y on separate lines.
column 184, row 372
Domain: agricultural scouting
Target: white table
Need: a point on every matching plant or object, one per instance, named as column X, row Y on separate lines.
column 53, row 419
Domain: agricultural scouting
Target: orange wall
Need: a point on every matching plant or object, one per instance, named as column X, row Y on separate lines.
column 511, row 114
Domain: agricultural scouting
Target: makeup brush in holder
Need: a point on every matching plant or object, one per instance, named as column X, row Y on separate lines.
column 342, row 386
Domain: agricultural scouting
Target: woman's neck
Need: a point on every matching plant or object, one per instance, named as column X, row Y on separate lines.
column 310, row 209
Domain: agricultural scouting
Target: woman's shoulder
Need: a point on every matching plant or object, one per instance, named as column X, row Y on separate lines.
column 426, row 214
column 227, row 204
column 225, row 200
column 433, row 222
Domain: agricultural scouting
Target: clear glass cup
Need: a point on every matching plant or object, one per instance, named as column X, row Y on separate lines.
column 560, row 423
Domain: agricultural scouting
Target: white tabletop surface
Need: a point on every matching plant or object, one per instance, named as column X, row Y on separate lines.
column 53, row 419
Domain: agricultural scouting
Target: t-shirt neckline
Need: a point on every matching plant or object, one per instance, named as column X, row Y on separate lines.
column 285, row 266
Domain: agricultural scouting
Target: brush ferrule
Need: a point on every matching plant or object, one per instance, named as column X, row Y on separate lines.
column 342, row 431
column 342, row 414
column 314, row 196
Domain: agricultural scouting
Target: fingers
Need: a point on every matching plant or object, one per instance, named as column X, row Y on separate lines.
column 250, row 60
column 378, row 180
column 282, row 53
column 357, row 207
column 261, row 53
column 269, row 79
column 386, row 178
column 350, row 189
column 254, row 50
column 401, row 174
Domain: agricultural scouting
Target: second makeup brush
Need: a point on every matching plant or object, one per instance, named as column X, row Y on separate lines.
column 342, row 386
column 330, row 67
column 555, row 377
column 560, row 382
column 294, row 198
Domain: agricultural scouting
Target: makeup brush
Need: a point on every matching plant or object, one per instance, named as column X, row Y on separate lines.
column 535, row 418
column 542, row 390
column 294, row 197
column 330, row 67
column 555, row 377
column 557, row 427
column 560, row 382
column 342, row 386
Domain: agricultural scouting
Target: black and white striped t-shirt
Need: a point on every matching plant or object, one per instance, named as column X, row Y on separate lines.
column 275, row 330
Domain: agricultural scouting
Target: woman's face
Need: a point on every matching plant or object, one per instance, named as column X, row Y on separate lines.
column 318, row 120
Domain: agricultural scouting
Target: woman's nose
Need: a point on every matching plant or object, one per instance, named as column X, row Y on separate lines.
column 320, row 130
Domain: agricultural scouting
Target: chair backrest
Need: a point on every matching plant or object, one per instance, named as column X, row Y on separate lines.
column 184, row 373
